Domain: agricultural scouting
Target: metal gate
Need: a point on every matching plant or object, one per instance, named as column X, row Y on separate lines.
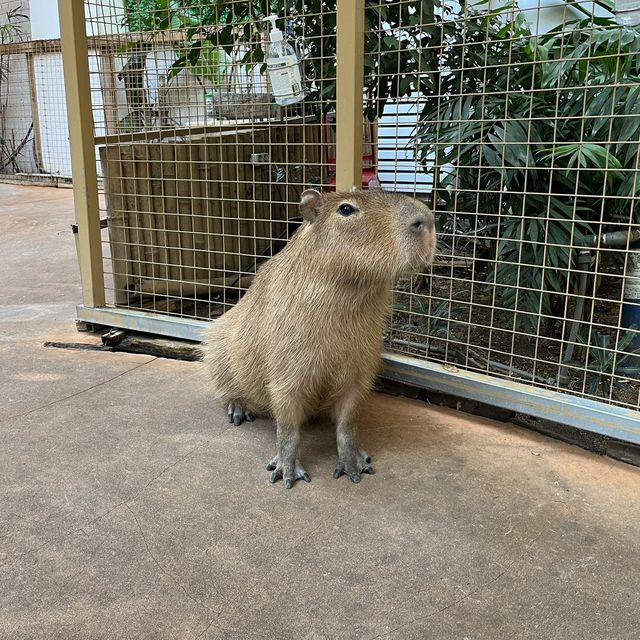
column 521, row 125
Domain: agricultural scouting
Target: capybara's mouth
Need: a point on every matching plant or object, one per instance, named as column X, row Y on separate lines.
column 430, row 249
column 424, row 258
column 415, row 266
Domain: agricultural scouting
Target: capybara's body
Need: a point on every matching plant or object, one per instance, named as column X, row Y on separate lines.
column 307, row 336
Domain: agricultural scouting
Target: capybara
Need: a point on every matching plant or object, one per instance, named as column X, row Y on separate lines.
column 306, row 338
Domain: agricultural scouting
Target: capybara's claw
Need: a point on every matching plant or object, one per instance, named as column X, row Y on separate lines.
column 238, row 414
column 287, row 473
column 354, row 469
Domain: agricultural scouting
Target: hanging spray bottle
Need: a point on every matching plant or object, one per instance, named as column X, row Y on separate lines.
column 283, row 68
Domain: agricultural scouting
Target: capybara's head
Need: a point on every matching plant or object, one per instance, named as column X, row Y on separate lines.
column 371, row 234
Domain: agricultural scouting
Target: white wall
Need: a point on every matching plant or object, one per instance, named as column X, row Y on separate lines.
column 15, row 97
column 44, row 19
column 102, row 18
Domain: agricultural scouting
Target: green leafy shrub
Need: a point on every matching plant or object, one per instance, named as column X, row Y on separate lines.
column 535, row 140
column 610, row 362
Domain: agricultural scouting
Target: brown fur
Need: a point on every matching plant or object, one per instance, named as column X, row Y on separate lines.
column 307, row 336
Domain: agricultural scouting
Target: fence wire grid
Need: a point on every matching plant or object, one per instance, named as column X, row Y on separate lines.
column 34, row 138
column 520, row 123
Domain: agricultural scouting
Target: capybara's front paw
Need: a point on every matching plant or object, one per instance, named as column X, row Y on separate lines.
column 353, row 465
column 288, row 472
column 238, row 413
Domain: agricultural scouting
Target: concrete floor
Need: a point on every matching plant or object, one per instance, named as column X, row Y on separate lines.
column 131, row 509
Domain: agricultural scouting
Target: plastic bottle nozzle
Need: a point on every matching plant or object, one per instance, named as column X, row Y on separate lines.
column 275, row 35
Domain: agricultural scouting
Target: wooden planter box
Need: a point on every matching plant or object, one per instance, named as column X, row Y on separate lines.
column 187, row 218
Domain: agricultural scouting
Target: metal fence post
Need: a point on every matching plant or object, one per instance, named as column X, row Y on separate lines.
column 349, row 82
column 75, row 58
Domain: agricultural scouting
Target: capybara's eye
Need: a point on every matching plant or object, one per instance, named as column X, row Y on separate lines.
column 346, row 209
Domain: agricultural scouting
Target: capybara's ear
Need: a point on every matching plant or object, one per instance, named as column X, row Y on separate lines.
column 310, row 202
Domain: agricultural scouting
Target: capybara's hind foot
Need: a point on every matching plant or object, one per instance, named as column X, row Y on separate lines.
column 354, row 465
column 287, row 472
column 238, row 414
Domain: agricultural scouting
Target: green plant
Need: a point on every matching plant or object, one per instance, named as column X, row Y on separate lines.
column 445, row 318
column 140, row 15
column 530, row 135
column 157, row 16
column 607, row 363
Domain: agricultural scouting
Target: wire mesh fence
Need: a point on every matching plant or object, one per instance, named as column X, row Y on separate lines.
column 202, row 169
column 34, row 139
column 527, row 121
column 520, row 124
